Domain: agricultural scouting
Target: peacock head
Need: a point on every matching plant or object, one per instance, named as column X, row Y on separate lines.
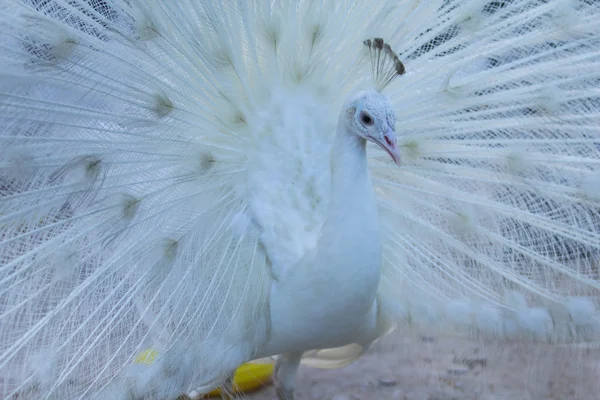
column 371, row 116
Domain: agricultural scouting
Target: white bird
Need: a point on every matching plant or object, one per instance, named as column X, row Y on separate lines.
column 193, row 177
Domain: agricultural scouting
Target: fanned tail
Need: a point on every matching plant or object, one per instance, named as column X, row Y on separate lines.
column 118, row 197
column 128, row 128
column 129, row 221
column 493, row 222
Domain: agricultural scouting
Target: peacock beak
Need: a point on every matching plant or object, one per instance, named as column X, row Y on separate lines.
column 387, row 142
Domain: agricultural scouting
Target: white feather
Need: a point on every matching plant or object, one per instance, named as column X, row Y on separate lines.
column 165, row 165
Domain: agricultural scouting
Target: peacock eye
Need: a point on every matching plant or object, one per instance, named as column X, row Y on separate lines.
column 366, row 118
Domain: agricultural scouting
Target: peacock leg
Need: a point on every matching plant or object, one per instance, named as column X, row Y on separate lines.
column 284, row 376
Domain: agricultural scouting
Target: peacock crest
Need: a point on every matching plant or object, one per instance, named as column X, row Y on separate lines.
column 385, row 64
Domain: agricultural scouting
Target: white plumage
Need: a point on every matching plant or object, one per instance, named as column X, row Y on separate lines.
column 168, row 180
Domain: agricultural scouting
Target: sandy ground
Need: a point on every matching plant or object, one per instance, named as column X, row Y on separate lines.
column 410, row 366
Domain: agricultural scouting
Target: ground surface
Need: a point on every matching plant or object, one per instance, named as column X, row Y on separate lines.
column 409, row 366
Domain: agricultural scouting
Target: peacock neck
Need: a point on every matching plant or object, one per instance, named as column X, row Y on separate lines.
column 351, row 189
column 352, row 221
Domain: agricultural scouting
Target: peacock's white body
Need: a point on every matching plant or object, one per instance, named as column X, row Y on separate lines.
column 168, row 181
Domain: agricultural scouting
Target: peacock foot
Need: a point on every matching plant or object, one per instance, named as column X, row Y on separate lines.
column 284, row 376
column 284, row 393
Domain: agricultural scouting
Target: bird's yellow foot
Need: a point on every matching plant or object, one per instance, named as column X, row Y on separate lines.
column 247, row 378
